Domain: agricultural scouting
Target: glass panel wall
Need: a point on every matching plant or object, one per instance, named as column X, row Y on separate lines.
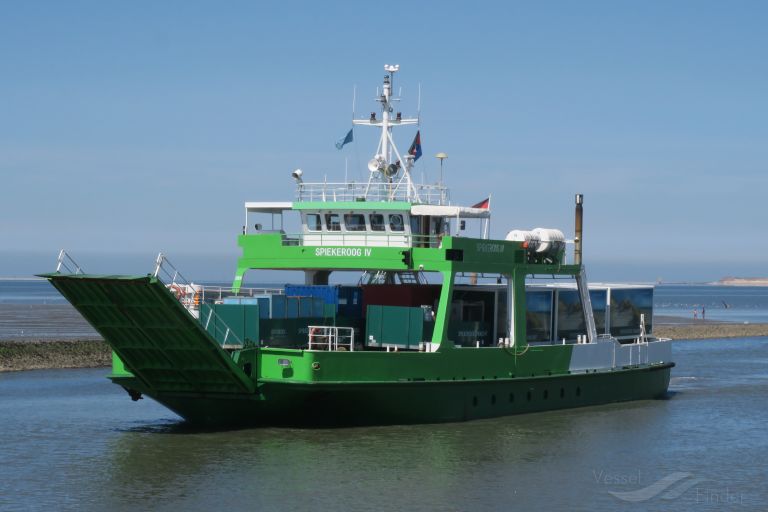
column 626, row 307
column 538, row 317
column 599, row 300
column 570, row 316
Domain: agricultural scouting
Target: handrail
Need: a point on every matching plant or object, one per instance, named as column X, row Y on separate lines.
column 164, row 267
column 352, row 191
column 227, row 332
column 65, row 261
column 331, row 337
column 215, row 293
column 361, row 239
column 188, row 294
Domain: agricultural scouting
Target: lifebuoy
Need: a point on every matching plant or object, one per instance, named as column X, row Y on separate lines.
column 177, row 290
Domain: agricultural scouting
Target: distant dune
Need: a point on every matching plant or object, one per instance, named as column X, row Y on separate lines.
column 744, row 281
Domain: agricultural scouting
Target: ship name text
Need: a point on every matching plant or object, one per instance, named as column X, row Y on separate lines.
column 342, row 251
column 486, row 247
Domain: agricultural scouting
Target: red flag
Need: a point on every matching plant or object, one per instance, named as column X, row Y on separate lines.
column 484, row 204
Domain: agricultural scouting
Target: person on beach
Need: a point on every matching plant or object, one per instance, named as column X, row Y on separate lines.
column 703, row 313
column 695, row 314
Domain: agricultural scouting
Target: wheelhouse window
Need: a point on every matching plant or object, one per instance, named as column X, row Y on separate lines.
column 332, row 222
column 396, row 222
column 377, row 222
column 313, row 222
column 354, row 221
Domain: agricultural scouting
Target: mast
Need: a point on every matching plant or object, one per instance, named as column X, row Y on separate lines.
column 388, row 168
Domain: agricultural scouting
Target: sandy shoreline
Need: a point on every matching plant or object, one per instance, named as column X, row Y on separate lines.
column 705, row 331
column 44, row 355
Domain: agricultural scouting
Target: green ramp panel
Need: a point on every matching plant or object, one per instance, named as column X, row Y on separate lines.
column 153, row 334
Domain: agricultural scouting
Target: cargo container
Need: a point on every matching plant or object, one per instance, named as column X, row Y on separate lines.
column 396, row 326
column 346, row 299
column 400, row 295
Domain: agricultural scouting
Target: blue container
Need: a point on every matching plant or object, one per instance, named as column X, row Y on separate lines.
column 350, row 301
column 318, row 307
column 279, row 307
column 265, row 306
column 292, row 307
column 329, row 294
column 305, row 306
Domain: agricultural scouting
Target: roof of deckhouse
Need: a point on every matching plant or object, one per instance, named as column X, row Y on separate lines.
column 415, row 209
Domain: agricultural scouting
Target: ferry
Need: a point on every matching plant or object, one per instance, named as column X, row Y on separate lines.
column 439, row 322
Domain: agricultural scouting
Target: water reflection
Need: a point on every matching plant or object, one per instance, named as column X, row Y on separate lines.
column 77, row 443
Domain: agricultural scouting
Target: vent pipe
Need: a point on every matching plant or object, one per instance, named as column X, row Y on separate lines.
column 579, row 219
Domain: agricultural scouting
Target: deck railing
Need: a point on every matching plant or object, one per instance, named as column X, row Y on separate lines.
column 190, row 296
column 329, row 337
column 324, row 192
column 210, row 293
column 361, row 239
column 65, row 261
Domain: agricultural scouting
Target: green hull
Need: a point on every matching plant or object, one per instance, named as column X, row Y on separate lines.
column 293, row 404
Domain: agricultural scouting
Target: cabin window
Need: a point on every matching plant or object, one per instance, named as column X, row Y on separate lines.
column 396, row 222
column 626, row 307
column 354, row 221
column 332, row 222
column 416, row 226
column 313, row 222
column 377, row 222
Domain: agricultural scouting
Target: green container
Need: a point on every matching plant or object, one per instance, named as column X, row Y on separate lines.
column 397, row 326
column 286, row 332
column 242, row 320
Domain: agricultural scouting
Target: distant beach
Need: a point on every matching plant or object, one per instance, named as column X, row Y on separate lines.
column 679, row 328
column 743, row 281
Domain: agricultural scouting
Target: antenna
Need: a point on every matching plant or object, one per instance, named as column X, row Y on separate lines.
column 418, row 108
column 388, row 163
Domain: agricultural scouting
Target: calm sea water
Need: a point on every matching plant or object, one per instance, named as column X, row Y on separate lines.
column 18, row 291
column 73, row 441
column 724, row 303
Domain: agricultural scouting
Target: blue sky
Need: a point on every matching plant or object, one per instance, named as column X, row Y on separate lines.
column 132, row 127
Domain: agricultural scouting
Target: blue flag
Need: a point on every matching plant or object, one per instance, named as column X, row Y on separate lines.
column 346, row 140
column 415, row 148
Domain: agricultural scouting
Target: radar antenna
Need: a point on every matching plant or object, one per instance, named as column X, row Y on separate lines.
column 387, row 163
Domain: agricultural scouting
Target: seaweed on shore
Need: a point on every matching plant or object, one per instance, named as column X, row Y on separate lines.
column 31, row 355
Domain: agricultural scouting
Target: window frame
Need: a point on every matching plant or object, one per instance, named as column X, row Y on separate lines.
column 319, row 223
column 382, row 225
column 359, row 227
column 402, row 223
column 328, row 223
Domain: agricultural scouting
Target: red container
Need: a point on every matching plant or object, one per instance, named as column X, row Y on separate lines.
column 410, row 295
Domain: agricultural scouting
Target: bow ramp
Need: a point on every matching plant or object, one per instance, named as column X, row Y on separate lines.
column 153, row 334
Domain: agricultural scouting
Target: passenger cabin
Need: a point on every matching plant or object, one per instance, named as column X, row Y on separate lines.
column 368, row 224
